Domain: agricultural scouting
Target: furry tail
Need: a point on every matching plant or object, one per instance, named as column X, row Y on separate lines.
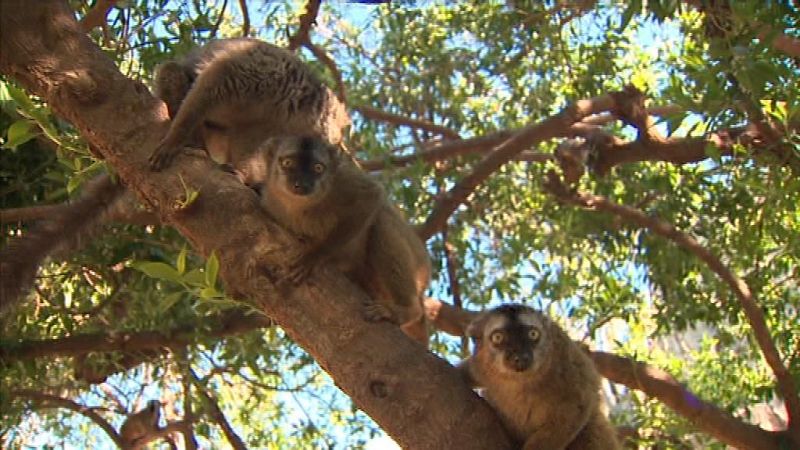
column 21, row 258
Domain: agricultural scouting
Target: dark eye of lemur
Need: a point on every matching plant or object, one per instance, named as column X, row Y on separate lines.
column 515, row 333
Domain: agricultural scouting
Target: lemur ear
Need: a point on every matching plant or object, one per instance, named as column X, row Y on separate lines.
column 475, row 328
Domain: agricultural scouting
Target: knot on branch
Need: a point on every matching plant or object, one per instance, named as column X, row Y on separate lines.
column 81, row 86
column 630, row 108
column 379, row 389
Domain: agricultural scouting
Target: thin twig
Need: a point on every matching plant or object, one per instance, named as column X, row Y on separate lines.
column 324, row 58
column 217, row 414
column 221, row 16
column 397, row 119
column 245, row 18
column 455, row 286
column 188, row 404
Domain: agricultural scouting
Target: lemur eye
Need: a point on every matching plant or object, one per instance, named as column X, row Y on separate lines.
column 497, row 337
column 534, row 334
column 287, row 163
column 319, row 168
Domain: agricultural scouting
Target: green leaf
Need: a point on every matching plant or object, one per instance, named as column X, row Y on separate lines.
column 181, row 263
column 212, row 269
column 73, row 184
column 169, row 301
column 158, row 270
column 20, row 132
column 194, row 277
column 21, row 98
column 209, row 293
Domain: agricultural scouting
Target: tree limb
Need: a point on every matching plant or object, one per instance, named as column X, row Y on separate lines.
column 374, row 363
column 188, row 404
column 245, row 18
column 323, row 57
column 554, row 126
column 218, row 416
column 48, row 400
column 754, row 314
column 443, row 316
column 31, row 213
column 308, row 19
column 233, row 323
column 659, row 384
column 96, row 17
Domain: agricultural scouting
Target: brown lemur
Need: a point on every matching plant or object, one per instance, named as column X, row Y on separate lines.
column 240, row 91
column 540, row 382
column 235, row 93
column 345, row 220
column 139, row 427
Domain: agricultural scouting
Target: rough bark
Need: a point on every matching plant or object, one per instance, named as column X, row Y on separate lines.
column 414, row 396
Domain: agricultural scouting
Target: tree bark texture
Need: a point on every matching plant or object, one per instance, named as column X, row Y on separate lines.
column 414, row 396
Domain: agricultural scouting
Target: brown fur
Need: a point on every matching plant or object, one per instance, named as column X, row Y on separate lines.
column 346, row 221
column 554, row 403
column 235, row 93
column 140, row 425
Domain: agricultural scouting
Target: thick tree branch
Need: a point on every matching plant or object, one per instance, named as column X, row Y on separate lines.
column 482, row 144
column 754, row 314
column 234, row 323
column 443, row 316
column 123, row 210
column 610, row 151
column 47, row 400
column 374, row 363
column 96, row 17
column 554, row 126
column 396, row 119
column 308, row 19
column 31, row 213
column 659, row 384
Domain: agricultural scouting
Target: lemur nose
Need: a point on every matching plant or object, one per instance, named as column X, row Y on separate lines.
column 520, row 361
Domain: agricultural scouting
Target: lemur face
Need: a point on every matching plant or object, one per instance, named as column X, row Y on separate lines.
column 510, row 337
column 304, row 166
